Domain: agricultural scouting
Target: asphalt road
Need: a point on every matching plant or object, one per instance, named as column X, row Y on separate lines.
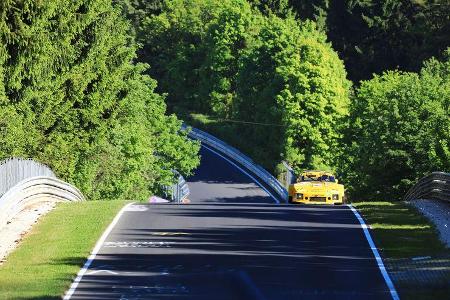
column 219, row 181
column 233, row 242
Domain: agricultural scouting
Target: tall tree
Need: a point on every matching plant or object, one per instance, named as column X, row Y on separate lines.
column 294, row 80
column 373, row 36
column 399, row 130
column 193, row 47
column 226, row 59
column 80, row 104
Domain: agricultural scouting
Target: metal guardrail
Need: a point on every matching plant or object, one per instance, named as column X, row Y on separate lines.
column 179, row 191
column 287, row 177
column 33, row 190
column 14, row 170
column 240, row 158
column 435, row 186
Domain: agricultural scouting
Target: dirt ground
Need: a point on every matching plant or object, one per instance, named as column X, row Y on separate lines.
column 12, row 233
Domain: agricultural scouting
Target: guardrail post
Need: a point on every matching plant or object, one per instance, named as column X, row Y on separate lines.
column 178, row 191
column 288, row 175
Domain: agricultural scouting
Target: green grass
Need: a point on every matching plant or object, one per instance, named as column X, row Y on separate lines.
column 49, row 258
column 399, row 230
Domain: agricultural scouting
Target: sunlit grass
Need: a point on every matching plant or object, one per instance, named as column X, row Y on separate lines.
column 394, row 227
column 202, row 118
column 48, row 259
column 399, row 230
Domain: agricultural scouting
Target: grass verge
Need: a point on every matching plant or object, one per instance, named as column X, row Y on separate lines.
column 399, row 230
column 50, row 256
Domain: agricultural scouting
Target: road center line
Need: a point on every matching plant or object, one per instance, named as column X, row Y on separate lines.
column 97, row 248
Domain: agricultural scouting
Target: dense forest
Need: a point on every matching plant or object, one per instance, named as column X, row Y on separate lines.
column 373, row 36
column 73, row 97
column 361, row 88
column 357, row 87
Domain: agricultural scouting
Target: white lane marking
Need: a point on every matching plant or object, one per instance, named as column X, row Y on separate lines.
column 420, row 258
column 94, row 252
column 243, row 171
column 137, row 208
column 138, row 244
column 374, row 249
column 102, row 271
column 168, row 233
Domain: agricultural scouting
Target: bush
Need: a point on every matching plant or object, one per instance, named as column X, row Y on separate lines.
column 399, row 130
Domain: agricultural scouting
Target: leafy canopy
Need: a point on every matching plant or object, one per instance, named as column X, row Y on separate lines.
column 71, row 97
column 226, row 59
column 292, row 77
column 399, row 130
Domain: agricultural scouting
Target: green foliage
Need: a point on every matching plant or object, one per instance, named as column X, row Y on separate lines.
column 279, row 7
column 138, row 10
column 315, row 10
column 225, row 41
column 292, row 77
column 399, row 130
column 193, row 47
column 72, row 98
column 226, row 59
column 373, row 36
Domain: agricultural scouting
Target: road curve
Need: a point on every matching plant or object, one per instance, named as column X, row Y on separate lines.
column 220, row 181
column 232, row 242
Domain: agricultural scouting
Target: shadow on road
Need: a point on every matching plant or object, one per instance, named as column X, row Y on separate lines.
column 235, row 252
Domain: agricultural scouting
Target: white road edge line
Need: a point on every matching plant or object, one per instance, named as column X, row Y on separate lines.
column 385, row 274
column 94, row 252
column 243, row 171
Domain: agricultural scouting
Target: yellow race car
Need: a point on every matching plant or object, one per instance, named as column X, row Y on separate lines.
column 316, row 187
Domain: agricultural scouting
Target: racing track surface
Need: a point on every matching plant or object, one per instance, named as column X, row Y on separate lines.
column 233, row 242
